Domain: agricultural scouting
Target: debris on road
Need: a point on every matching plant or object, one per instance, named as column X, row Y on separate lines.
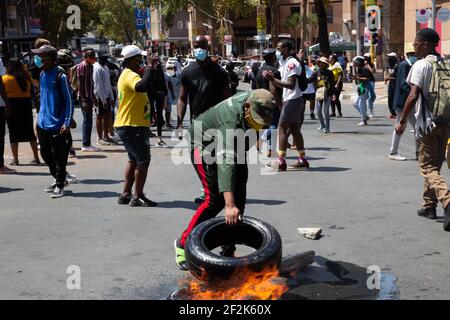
column 310, row 233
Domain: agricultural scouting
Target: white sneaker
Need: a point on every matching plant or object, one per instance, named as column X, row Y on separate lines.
column 362, row 123
column 90, row 149
column 102, row 142
column 371, row 114
column 115, row 137
column 71, row 179
column 161, row 144
column 397, row 157
column 58, row 193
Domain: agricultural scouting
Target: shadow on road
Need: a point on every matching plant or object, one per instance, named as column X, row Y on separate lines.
column 360, row 133
column 325, row 148
column 328, row 169
column 100, row 181
column 266, row 202
column 7, row 190
column 32, row 174
column 98, row 195
column 178, row 205
column 91, row 156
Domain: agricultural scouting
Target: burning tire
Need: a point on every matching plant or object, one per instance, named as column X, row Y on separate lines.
column 211, row 234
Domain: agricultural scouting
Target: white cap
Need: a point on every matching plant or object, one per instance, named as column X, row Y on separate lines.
column 131, row 51
column 367, row 55
column 392, row 54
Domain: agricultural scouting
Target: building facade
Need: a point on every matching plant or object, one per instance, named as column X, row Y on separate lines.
column 412, row 26
column 19, row 25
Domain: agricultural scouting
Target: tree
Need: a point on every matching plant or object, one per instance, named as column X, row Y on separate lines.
column 294, row 23
column 323, row 26
column 117, row 21
column 55, row 17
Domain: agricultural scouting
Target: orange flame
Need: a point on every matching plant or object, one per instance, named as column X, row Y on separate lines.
column 244, row 285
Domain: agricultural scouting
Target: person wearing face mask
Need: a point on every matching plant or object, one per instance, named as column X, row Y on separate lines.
column 389, row 79
column 204, row 83
column 85, row 73
column 133, row 125
column 105, row 100
column 293, row 110
column 223, row 169
column 156, row 96
column 54, row 118
column 401, row 93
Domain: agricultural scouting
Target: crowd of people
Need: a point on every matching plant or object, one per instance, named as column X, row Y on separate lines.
column 128, row 99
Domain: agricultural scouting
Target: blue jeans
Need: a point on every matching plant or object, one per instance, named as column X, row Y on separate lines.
column 361, row 105
column 371, row 97
column 87, row 126
column 323, row 108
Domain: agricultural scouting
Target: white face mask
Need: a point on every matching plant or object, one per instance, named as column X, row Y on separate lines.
column 279, row 56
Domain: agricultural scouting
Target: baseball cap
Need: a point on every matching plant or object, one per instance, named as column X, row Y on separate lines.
column 131, row 51
column 392, row 54
column 324, row 60
column 268, row 52
column 46, row 49
column 366, row 55
column 263, row 105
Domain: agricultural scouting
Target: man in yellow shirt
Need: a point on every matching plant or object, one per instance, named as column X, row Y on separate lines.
column 133, row 125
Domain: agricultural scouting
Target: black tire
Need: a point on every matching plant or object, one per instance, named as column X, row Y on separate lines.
column 210, row 267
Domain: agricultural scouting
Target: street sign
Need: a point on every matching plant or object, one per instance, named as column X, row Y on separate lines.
column 373, row 18
column 443, row 15
column 261, row 37
column 261, row 20
column 141, row 17
column 423, row 15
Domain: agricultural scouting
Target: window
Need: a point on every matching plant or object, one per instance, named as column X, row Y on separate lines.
column 330, row 14
column 295, row 10
column 180, row 25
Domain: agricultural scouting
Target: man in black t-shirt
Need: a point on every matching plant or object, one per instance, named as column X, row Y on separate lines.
column 362, row 77
column 270, row 65
column 204, row 82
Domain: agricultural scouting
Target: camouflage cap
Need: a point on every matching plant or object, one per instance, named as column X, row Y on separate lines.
column 262, row 105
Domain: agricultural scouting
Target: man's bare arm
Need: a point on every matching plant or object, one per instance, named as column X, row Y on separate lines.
column 181, row 106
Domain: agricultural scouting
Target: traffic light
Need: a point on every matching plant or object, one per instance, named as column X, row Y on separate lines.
column 373, row 18
column 374, row 38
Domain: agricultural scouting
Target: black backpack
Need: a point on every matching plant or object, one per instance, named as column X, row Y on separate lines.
column 302, row 80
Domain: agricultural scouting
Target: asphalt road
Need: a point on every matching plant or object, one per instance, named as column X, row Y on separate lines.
column 365, row 204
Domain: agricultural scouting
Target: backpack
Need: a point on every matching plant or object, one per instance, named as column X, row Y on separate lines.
column 438, row 101
column 73, row 78
column 302, row 79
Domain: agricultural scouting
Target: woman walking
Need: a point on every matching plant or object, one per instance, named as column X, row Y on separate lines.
column 325, row 89
column 338, row 73
column 17, row 84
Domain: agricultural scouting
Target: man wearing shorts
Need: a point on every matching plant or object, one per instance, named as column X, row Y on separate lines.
column 133, row 126
column 292, row 113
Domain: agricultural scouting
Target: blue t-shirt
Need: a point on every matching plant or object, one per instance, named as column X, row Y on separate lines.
column 56, row 101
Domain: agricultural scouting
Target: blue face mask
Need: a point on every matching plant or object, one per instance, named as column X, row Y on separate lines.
column 412, row 60
column 38, row 61
column 279, row 55
column 200, row 54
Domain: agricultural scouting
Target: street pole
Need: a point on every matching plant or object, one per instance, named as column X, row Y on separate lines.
column 358, row 27
column 433, row 10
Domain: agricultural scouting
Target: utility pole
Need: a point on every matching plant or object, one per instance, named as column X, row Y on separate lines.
column 358, row 27
column 433, row 10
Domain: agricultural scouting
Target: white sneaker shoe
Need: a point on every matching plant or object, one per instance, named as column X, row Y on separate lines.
column 71, row 179
column 90, row 149
column 102, row 142
column 396, row 157
column 58, row 193
column 362, row 123
column 371, row 114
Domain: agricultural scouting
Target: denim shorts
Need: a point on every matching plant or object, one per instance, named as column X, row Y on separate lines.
column 137, row 143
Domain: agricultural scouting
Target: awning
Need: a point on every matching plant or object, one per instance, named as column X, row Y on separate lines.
column 345, row 46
